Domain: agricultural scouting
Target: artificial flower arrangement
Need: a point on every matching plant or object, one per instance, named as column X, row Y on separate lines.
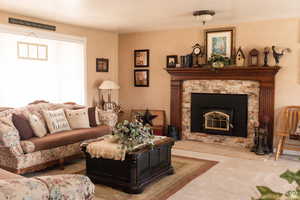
column 132, row 134
column 218, row 61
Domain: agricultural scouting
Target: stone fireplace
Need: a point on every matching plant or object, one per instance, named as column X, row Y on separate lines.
column 220, row 111
column 255, row 84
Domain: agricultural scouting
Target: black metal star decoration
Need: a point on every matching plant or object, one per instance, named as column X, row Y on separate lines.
column 147, row 118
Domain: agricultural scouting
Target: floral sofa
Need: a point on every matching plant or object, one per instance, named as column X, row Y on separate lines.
column 57, row 187
column 22, row 156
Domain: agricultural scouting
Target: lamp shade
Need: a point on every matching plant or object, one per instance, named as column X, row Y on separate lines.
column 109, row 85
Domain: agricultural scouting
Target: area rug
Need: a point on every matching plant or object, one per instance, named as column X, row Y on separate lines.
column 186, row 169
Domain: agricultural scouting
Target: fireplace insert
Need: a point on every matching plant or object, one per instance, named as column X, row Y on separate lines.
column 220, row 114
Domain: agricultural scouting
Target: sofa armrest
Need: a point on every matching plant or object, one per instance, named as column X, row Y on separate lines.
column 69, row 186
column 12, row 151
column 28, row 188
column 9, row 137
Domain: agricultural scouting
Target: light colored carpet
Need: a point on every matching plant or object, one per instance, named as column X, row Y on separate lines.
column 218, row 149
column 186, row 169
column 236, row 175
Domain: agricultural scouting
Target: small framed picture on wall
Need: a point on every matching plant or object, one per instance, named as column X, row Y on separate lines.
column 141, row 58
column 141, row 78
column 102, row 65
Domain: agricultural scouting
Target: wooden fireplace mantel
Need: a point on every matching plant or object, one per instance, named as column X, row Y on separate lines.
column 264, row 75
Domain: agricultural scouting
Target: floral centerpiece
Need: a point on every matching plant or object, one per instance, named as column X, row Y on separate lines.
column 132, row 134
column 218, row 61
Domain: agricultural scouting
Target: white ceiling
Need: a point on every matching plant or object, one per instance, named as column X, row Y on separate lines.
column 144, row 15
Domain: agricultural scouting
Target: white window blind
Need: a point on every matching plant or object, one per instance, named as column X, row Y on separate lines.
column 59, row 79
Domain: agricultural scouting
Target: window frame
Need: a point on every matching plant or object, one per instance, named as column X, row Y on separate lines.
column 24, row 31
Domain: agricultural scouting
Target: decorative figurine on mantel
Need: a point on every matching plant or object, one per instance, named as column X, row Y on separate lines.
column 278, row 55
column 253, row 57
column 240, row 57
column 198, row 51
column 266, row 53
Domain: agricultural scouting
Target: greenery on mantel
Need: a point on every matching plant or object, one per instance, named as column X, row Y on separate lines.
column 218, row 61
column 292, row 177
column 131, row 134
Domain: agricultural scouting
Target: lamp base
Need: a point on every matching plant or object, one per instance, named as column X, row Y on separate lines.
column 109, row 106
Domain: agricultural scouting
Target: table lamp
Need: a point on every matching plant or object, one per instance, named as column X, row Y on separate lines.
column 109, row 86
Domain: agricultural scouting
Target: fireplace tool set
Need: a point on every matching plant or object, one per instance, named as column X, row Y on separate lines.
column 260, row 140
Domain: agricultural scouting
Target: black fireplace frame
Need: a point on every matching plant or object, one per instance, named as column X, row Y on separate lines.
column 236, row 104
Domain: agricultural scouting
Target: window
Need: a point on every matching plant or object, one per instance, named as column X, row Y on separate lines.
column 59, row 78
column 32, row 51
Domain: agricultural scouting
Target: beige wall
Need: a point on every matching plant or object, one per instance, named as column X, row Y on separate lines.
column 285, row 33
column 100, row 44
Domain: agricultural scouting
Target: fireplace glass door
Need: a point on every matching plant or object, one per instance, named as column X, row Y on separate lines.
column 217, row 121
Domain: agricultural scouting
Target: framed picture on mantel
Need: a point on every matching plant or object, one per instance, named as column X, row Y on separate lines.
column 220, row 41
column 172, row 61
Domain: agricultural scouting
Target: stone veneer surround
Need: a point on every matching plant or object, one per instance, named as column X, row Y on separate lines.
column 251, row 88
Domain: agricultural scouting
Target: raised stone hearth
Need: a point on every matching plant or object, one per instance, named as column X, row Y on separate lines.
column 257, row 82
column 251, row 88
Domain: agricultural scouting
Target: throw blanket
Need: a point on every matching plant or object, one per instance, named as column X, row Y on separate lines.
column 109, row 148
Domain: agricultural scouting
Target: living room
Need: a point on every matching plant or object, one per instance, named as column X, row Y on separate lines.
column 131, row 100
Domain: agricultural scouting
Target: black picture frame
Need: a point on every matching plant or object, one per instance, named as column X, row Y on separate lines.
column 144, row 82
column 102, row 65
column 141, row 58
column 172, row 60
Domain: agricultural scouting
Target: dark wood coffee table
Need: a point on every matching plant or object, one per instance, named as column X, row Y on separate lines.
column 139, row 168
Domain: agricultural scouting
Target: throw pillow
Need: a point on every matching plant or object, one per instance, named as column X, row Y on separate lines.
column 56, row 120
column 23, row 126
column 78, row 118
column 37, row 125
column 93, row 116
